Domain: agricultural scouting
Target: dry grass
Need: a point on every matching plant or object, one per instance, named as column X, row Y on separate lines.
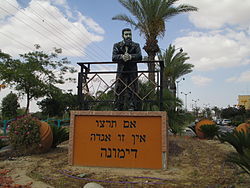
column 193, row 163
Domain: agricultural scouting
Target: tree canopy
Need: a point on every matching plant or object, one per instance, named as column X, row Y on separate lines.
column 9, row 106
column 35, row 73
column 58, row 103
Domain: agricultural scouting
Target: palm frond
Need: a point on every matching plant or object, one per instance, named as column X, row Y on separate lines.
column 125, row 18
column 172, row 11
column 175, row 64
column 238, row 139
column 186, row 8
column 60, row 134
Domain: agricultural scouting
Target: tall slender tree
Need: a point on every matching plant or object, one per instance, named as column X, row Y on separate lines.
column 149, row 17
column 9, row 106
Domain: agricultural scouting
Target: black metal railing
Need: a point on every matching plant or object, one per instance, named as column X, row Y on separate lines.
column 96, row 88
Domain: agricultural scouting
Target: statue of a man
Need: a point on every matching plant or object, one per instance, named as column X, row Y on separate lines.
column 126, row 53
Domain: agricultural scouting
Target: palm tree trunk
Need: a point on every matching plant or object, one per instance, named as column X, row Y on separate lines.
column 151, row 47
column 166, row 82
column 151, row 67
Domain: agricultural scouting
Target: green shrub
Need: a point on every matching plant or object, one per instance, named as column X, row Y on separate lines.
column 24, row 134
column 240, row 140
column 242, row 161
column 60, row 134
column 209, row 131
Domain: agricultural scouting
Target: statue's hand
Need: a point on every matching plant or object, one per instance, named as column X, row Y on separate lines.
column 126, row 57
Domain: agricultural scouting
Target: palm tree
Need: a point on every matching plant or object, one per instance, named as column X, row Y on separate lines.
column 174, row 67
column 149, row 17
column 217, row 111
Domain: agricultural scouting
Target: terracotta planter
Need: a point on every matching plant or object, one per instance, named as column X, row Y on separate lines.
column 199, row 124
column 46, row 137
column 243, row 127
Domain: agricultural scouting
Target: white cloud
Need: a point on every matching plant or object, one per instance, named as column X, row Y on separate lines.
column 216, row 49
column 201, row 80
column 214, row 14
column 91, row 23
column 46, row 25
column 49, row 23
column 60, row 2
column 227, row 42
column 7, row 9
column 243, row 77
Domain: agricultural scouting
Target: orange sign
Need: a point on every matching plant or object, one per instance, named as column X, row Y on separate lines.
column 118, row 139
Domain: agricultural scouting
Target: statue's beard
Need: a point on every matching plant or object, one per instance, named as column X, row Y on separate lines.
column 128, row 42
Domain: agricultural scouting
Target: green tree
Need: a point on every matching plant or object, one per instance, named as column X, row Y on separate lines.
column 9, row 106
column 57, row 103
column 104, row 99
column 236, row 114
column 175, row 66
column 4, row 57
column 229, row 112
column 35, row 73
column 149, row 17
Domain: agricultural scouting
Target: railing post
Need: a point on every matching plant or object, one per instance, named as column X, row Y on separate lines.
column 79, row 87
column 82, row 79
column 161, row 84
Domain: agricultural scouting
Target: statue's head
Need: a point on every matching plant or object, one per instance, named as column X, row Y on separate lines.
column 127, row 36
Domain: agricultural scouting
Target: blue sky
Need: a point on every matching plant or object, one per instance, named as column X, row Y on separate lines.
column 217, row 39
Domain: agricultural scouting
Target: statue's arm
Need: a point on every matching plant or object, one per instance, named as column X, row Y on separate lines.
column 116, row 56
column 137, row 55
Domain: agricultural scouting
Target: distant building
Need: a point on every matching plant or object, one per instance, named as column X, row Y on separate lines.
column 244, row 100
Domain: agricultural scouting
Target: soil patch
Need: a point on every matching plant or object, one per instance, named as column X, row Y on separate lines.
column 192, row 163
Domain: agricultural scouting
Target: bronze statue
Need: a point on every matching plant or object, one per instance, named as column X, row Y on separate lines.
column 126, row 53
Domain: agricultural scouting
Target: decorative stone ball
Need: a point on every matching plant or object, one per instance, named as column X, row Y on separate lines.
column 243, row 127
column 198, row 125
column 46, row 137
